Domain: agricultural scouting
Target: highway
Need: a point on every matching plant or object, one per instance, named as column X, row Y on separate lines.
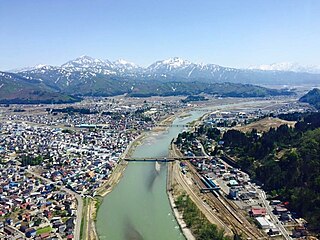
column 77, row 196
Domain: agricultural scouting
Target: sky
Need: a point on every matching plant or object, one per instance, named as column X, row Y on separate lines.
column 234, row 33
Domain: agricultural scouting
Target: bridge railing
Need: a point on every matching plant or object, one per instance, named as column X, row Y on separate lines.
column 165, row 159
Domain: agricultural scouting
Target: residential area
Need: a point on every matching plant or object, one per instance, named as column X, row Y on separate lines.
column 54, row 156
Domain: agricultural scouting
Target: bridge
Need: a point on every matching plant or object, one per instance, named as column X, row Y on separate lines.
column 173, row 125
column 165, row 159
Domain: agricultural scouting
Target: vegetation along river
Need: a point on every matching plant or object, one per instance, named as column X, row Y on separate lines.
column 138, row 207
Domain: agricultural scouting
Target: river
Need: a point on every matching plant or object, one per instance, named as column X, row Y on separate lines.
column 138, row 207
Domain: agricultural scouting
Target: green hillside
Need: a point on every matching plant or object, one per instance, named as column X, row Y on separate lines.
column 312, row 97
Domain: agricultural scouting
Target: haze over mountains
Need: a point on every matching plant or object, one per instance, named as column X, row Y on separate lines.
column 86, row 76
column 287, row 66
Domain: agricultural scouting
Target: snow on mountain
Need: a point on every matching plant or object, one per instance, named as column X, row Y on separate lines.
column 123, row 65
column 168, row 65
column 287, row 66
column 24, row 69
column 85, row 69
column 176, row 62
column 179, row 68
column 87, row 62
column 122, row 62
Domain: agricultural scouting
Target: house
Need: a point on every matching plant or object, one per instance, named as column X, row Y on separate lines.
column 263, row 222
column 17, row 224
column 62, row 228
column 273, row 231
column 44, row 235
column 299, row 231
column 233, row 183
column 9, row 231
column 31, row 233
column 70, row 223
column 23, row 228
column 9, row 221
column 70, row 237
column 258, row 212
column 275, row 202
column 47, row 213
column 284, row 217
column 279, row 210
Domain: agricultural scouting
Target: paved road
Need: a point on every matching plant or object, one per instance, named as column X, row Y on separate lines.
column 79, row 200
column 282, row 229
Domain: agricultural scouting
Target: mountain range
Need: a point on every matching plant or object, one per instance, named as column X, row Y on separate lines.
column 87, row 76
column 175, row 69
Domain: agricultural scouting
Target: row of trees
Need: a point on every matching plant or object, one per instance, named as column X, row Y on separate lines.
column 201, row 228
column 30, row 160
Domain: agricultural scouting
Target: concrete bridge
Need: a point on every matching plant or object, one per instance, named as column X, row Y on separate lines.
column 165, row 159
column 173, row 125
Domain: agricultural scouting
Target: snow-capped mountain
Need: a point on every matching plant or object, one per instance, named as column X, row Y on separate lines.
column 24, row 69
column 86, row 63
column 87, row 76
column 86, row 70
column 287, row 66
column 185, row 69
column 168, row 65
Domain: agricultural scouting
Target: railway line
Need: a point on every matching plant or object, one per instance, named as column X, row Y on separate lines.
column 218, row 208
column 227, row 212
column 205, row 208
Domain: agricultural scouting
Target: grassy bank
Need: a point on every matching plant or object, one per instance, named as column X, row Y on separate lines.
column 97, row 204
column 196, row 221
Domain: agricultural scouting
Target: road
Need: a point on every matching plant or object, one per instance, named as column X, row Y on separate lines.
column 77, row 196
column 263, row 197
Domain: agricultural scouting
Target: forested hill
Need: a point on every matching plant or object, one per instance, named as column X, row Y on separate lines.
column 286, row 160
column 53, row 88
column 312, row 97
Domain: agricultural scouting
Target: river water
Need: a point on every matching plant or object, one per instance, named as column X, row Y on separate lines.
column 138, row 207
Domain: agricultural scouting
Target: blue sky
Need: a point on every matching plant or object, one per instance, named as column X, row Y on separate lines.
column 236, row 33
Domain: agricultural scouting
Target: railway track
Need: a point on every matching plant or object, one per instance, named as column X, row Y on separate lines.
column 205, row 208
column 227, row 212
